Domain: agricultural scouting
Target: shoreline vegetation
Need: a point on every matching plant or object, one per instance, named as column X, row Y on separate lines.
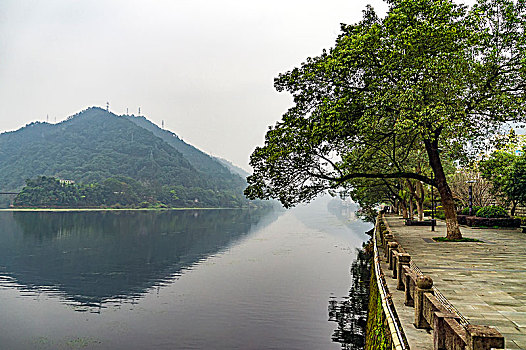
column 122, row 193
column 121, row 209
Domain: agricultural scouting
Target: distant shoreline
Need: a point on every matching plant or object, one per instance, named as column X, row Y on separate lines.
column 109, row 209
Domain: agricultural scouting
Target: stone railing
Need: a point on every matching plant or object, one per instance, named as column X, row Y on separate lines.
column 391, row 325
column 451, row 331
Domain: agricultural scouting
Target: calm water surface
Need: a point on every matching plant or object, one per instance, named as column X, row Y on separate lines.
column 195, row 279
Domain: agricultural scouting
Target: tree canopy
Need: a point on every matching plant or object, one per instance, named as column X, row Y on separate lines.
column 431, row 77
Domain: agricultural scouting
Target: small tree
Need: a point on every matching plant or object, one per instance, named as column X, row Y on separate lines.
column 499, row 168
column 515, row 187
column 483, row 190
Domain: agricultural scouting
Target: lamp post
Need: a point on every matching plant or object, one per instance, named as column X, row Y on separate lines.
column 470, row 196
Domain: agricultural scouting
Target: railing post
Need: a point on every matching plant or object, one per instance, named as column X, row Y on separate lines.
column 395, row 263
column 403, row 260
column 393, row 246
column 424, row 284
column 387, row 239
column 483, row 338
column 439, row 331
column 408, row 300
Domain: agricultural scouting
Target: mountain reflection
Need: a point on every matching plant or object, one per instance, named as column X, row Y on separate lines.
column 95, row 257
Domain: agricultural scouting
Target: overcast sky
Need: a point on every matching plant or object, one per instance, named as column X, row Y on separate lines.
column 204, row 67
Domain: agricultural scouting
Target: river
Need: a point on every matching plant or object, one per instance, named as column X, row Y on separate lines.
column 190, row 279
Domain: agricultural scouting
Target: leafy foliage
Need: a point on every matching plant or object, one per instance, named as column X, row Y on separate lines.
column 497, row 169
column 515, row 186
column 465, row 211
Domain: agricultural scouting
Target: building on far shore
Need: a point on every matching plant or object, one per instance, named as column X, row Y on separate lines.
column 66, row 182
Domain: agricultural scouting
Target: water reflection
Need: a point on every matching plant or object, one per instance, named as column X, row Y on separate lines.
column 351, row 313
column 92, row 258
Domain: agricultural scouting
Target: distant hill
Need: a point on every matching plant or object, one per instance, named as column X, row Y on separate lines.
column 203, row 162
column 233, row 168
column 95, row 145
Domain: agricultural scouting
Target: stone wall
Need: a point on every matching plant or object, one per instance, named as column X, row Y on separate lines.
column 377, row 336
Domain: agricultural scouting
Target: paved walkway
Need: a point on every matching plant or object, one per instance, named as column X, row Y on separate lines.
column 486, row 281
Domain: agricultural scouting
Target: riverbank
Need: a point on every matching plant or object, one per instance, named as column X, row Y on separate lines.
column 108, row 209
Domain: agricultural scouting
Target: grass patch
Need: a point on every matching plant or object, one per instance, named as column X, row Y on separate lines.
column 445, row 239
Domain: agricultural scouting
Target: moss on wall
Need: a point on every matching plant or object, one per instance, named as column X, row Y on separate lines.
column 376, row 335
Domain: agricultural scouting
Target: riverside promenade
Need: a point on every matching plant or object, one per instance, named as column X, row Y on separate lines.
column 485, row 282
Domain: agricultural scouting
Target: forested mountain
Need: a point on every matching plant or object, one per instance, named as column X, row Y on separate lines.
column 200, row 160
column 95, row 145
column 233, row 168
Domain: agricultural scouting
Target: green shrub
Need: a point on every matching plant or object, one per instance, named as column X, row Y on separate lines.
column 492, row 222
column 465, row 211
column 492, row 211
column 441, row 215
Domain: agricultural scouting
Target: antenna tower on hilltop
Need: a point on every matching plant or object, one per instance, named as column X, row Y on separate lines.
column 139, row 111
column 162, row 123
column 108, row 106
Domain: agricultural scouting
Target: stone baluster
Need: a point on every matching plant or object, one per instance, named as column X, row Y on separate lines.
column 408, row 299
column 392, row 247
column 403, row 260
column 424, row 284
column 439, row 329
column 387, row 239
column 483, row 338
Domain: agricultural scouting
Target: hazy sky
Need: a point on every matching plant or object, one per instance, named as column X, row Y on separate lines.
column 204, row 67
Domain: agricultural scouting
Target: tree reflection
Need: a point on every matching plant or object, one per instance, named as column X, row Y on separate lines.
column 351, row 314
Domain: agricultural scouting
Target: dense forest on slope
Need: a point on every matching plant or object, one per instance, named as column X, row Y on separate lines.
column 96, row 146
column 201, row 161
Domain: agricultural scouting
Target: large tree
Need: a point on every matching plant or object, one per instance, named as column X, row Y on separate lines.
column 430, row 73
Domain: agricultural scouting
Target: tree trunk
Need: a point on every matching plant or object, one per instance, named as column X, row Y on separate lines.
column 420, row 200
column 420, row 209
column 404, row 209
column 417, row 191
column 411, row 208
column 446, row 197
column 513, row 208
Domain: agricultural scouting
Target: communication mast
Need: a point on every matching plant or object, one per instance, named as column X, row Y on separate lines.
column 108, row 106
column 127, row 111
column 162, row 123
column 139, row 111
